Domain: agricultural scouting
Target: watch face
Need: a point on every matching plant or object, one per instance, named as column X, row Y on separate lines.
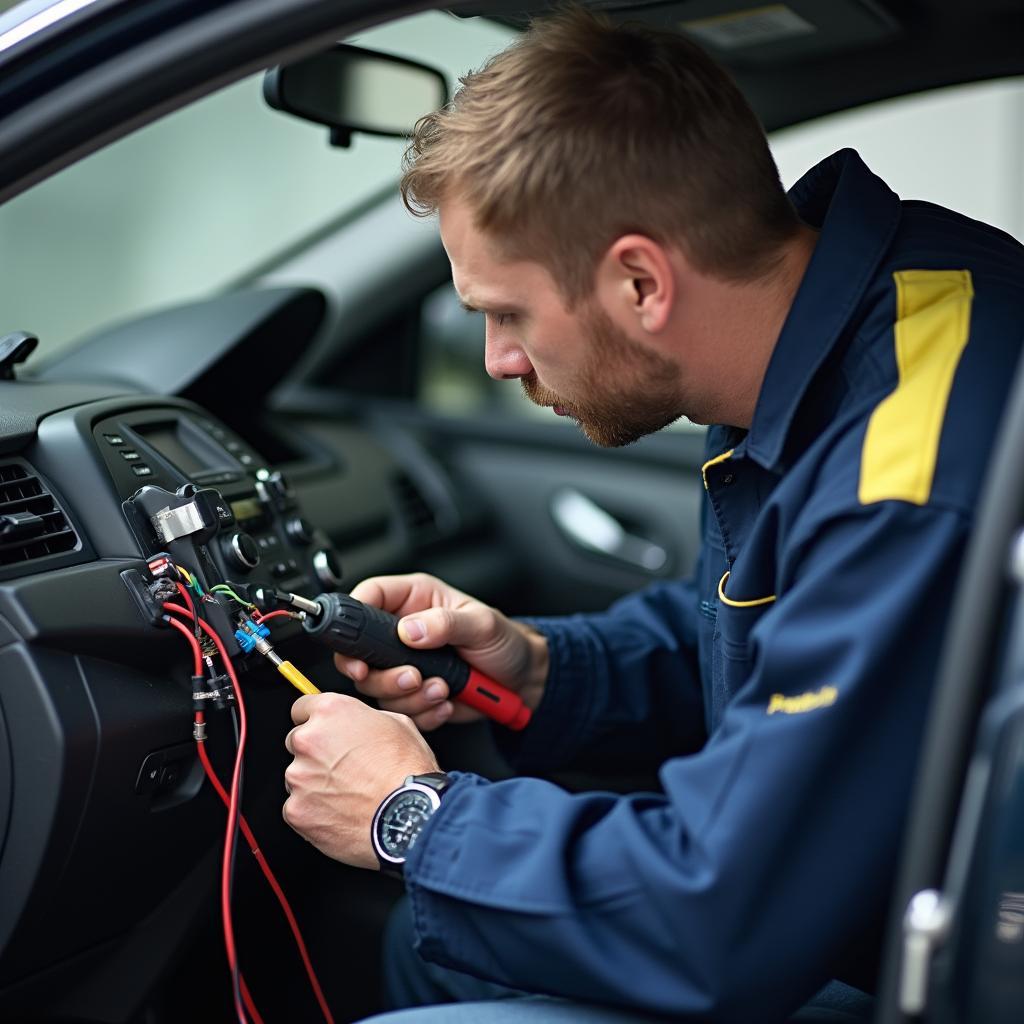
column 401, row 822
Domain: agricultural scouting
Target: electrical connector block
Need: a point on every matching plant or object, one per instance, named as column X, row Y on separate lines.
column 216, row 690
column 163, row 589
column 248, row 633
column 162, row 565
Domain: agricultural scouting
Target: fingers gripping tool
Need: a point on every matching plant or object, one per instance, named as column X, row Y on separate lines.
column 358, row 630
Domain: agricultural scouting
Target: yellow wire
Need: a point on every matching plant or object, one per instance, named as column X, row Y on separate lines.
column 296, row 678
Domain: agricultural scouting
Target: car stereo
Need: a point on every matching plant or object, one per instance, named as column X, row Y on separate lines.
column 263, row 535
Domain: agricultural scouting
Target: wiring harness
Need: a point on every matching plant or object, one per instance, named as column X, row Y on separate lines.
column 175, row 595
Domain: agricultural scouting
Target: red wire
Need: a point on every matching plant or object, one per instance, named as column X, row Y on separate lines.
column 200, row 718
column 197, row 653
column 268, row 873
column 260, row 619
column 188, row 599
column 247, row 999
column 249, row 836
column 225, row 876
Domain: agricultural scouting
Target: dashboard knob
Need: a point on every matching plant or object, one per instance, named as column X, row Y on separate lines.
column 299, row 530
column 243, row 551
column 327, row 567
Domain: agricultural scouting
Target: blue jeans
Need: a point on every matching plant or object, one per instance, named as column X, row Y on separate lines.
column 428, row 994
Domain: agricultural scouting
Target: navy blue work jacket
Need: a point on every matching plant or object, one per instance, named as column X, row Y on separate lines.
column 786, row 684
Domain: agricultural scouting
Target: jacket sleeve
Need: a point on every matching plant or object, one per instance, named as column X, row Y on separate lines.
column 735, row 894
column 624, row 686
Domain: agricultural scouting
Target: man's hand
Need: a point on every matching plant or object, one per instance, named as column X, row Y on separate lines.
column 348, row 757
column 433, row 614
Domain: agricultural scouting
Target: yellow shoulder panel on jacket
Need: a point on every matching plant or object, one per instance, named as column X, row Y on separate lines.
column 933, row 323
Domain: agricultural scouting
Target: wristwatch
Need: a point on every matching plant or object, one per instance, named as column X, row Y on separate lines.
column 401, row 816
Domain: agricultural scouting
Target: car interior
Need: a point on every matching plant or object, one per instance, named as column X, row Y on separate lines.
column 226, row 345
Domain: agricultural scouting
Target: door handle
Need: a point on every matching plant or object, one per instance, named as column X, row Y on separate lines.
column 592, row 528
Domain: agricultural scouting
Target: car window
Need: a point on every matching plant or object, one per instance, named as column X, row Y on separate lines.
column 961, row 147
column 193, row 202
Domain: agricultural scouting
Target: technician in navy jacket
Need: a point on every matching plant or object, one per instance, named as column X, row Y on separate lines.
column 608, row 200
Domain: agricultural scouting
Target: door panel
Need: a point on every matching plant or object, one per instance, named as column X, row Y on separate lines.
column 547, row 503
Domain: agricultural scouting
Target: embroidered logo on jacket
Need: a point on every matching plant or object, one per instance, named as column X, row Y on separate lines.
column 823, row 698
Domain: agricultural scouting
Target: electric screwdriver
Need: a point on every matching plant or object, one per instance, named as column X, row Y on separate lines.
column 370, row 634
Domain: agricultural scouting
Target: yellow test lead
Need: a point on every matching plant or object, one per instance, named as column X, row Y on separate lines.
column 286, row 668
column 296, row 678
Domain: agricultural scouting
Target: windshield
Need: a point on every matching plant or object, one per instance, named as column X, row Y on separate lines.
column 195, row 201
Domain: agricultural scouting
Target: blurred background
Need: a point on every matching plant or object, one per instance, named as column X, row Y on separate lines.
column 191, row 204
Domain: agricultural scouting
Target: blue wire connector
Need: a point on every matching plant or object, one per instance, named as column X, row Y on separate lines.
column 248, row 633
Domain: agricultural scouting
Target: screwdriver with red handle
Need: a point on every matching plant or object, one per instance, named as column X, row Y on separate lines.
column 370, row 634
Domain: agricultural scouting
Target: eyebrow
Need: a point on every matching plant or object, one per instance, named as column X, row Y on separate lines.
column 505, row 307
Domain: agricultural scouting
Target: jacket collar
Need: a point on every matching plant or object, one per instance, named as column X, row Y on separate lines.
column 857, row 215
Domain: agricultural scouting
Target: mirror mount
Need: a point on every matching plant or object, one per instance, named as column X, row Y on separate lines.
column 340, row 137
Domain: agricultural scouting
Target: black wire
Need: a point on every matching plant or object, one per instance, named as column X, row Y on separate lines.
column 197, row 603
column 235, row 973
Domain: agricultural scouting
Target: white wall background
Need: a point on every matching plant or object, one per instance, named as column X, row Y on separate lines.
column 961, row 147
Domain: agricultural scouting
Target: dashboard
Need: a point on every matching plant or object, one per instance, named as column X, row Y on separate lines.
column 106, row 829
column 110, row 840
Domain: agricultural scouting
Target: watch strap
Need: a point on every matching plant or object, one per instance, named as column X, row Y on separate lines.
column 438, row 781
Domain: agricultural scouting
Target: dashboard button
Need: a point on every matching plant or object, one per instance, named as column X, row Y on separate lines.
column 170, row 775
column 327, row 567
column 149, row 773
column 243, row 551
column 299, row 530
column 141, row 469
column 114, row 439
column 130, row 455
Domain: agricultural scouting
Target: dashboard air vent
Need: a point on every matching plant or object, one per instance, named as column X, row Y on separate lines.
column 32, row 524
column 417, row 513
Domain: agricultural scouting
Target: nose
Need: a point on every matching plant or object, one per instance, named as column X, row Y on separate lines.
column 504, row 359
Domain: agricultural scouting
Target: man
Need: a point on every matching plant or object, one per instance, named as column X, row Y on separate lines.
column 608, row 200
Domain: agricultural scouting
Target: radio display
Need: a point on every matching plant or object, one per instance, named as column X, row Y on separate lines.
column 246, row 508
column 164, row 438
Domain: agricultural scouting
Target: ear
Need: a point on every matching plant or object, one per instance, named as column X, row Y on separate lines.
column 636, row 282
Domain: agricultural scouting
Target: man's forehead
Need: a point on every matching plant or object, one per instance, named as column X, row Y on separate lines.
column 485, row 277
column 488, row 285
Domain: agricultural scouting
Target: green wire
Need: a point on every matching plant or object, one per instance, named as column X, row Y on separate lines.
column 223, row 588
column 190, row 580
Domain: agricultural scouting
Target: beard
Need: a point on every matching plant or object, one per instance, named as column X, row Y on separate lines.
column 626, row 390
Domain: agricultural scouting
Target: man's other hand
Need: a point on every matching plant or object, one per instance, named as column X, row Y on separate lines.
column 433, row 614
column 348, row 757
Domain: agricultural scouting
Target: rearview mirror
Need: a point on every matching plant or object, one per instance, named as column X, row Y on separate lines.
column 349, row 89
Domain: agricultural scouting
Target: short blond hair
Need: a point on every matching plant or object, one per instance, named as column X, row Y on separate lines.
column 582, row 131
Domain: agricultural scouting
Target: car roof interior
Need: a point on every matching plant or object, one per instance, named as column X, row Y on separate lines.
column 846, row 53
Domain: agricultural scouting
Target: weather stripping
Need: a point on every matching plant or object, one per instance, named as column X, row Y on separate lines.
column 43, row 19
